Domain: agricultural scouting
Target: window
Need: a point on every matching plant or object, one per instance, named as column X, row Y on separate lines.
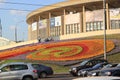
column 72, row 29
column 36, row 66
column 78, row 28
column 68, row 29
column 6, row 69
column 99, row 26
column 94, row 26
column 113, row 24
column 75, row 28
column 91, row 27
column 88, row 27
column 89, row 64
column 117, row 24
column 102, row 27
column 18, row 67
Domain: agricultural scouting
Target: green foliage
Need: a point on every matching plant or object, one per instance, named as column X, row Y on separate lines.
column 114, row 58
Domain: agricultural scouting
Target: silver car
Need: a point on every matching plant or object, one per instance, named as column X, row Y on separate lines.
column 18, row 71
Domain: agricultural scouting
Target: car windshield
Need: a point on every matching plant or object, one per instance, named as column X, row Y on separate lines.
column 107, row 66
column 84, row 62
column 97, row 66
column 118, row 66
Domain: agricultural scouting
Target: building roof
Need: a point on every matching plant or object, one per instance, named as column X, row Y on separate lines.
column 70, row 5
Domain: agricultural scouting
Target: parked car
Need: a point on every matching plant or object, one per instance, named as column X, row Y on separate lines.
column 18, row 71
column 84, row 72
column 85, row 64
column 96, row 72
column 42, row 70
column 115, row 71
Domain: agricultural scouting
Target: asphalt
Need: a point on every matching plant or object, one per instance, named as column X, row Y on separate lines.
column 59, row 77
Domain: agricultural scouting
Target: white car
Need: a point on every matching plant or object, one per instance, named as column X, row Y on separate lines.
column 18, row 71
column 99, row 78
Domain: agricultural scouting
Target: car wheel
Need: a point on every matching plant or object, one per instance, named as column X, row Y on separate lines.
column 43, row 75
column 74, row 75
column 27, row 78
column 78, row 74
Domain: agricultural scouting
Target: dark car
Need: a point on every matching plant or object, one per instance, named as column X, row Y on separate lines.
column 85, row 64
column 96, row 72
column 84, row 72
column 42, row 70
column 115, row 71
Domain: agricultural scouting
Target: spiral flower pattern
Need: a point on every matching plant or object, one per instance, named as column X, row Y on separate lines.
column 70, row 50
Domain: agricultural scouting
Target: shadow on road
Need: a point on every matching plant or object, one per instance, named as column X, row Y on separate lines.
column 59, row 77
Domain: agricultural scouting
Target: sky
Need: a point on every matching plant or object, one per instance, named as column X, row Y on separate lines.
column 16, row 18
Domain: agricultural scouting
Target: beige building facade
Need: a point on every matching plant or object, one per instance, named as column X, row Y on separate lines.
column 74, row 19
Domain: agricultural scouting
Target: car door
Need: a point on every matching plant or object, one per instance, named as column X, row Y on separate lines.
column 116, row 73
column 17, row 71
column 5, row 73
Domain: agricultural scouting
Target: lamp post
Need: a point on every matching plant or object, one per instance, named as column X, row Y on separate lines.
column 16, row 30
column 104, row 21
column 15, row 34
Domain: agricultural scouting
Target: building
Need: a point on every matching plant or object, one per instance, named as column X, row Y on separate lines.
column 4, row 41
column 74, row 19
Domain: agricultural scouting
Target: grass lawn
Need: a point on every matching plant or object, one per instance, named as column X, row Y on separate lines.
column 114, row 58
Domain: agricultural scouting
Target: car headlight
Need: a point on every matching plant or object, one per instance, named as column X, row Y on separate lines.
column 74, row 69
column 93, row 74
column 108, row 73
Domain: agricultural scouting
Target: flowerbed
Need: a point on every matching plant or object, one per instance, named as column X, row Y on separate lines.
column 71, row 50
column 61, row 51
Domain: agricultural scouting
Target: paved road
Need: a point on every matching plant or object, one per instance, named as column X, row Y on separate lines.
column 59, row 77
column 69, row 77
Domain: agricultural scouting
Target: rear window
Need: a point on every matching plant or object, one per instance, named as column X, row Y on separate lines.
column 36, row 66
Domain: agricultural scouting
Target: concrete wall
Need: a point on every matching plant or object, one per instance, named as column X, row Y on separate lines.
column 17, row 44
column 88, row 34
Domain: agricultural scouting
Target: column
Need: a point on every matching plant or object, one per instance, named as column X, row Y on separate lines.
column 108, row 16
column 81, row 22
column 84, row 19
column 32, row 33
column 63, row 27
column 39, row 26
column 48, row 24
column 37, row 29
column 35, row 32
column 29, row 31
